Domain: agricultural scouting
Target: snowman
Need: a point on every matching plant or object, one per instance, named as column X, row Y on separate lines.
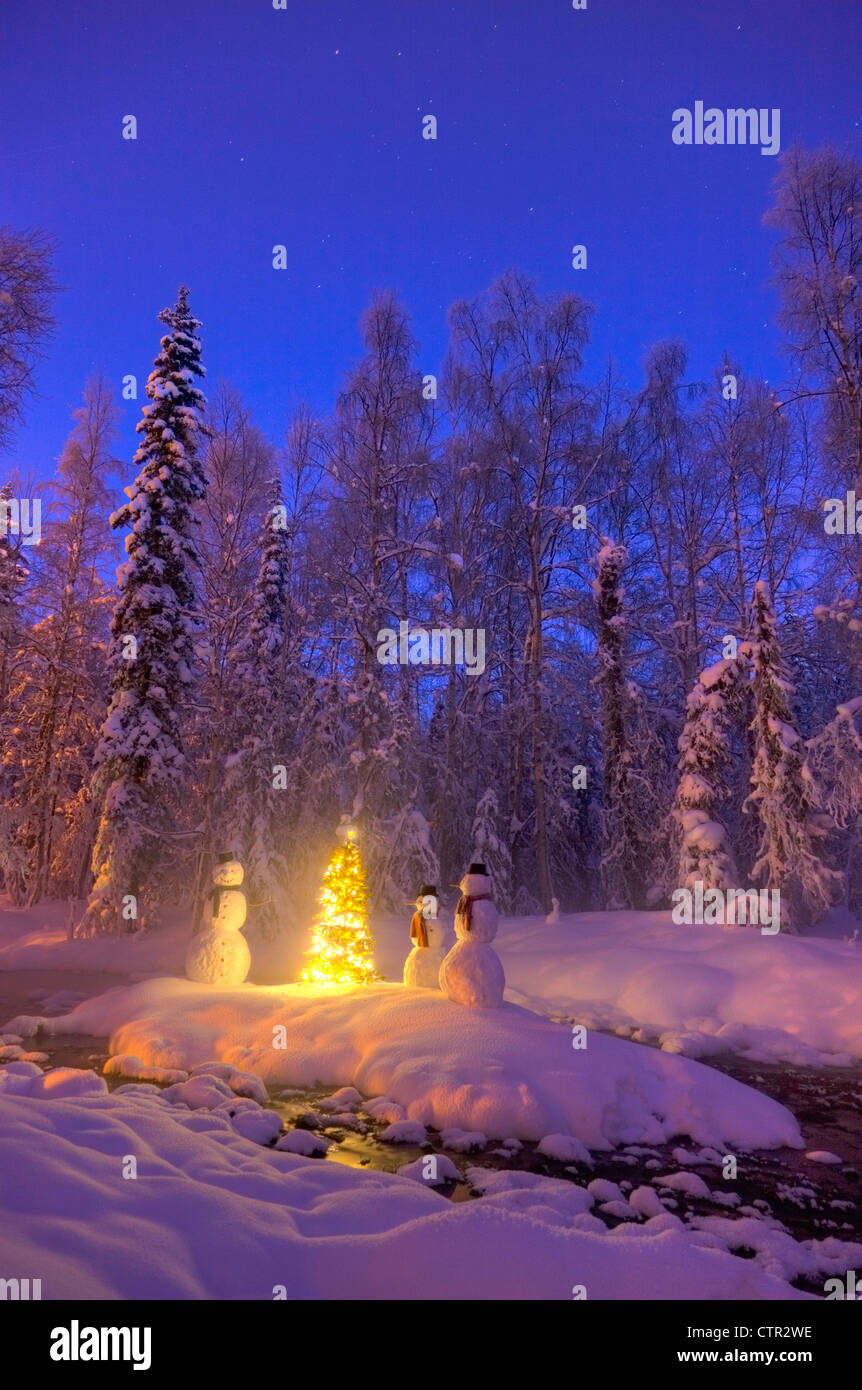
column 219, row 954
column 472, row 973
column 422, row 966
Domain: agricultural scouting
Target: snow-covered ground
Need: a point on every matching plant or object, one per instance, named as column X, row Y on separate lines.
column 700, row 989
column 503, row 1071
column 218, row 1210
column 36, row 938
column 697, row 989
column 212, row 1215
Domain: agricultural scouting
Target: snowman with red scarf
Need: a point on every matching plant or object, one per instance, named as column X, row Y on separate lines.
column 422, row 966
column 472, row 973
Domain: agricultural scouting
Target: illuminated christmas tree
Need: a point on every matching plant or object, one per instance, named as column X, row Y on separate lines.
column 342, row 950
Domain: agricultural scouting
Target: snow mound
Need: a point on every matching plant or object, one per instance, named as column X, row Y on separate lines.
column 202, row 1092
column 503, row 1071
column 217, row 1218
column 604, row 1191
column 65, row 1082
column 689, row 1183
column 299, row 1141
column 346, row 1098
column 621, row 1210
column 646, row 1202
column 777, row 1253
column 566, row 1148
column 385, row 1110
column 260, row 1126
column 463, row 1141
column 404, row 1132
column 440, row 1171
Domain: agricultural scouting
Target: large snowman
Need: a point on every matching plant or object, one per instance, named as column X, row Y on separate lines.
column 219, row 954
column 472, row 973
column 422, row 966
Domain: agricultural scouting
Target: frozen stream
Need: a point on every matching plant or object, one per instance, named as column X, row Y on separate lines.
column 810, row 1198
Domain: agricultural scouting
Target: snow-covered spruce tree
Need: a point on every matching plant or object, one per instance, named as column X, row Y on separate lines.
column 620, row 857
column 404, row 854
column 139, row 760
column 491, row 850
column 783, row 797
column 255, row 787
column 705, row 853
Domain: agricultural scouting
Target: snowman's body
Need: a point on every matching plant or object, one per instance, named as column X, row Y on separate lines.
column 472, row 972
column 422, row 966
column 219, row 955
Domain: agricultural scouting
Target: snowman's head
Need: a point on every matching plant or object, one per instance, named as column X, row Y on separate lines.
column 229, row 872
column 427, row 901
column 475, row 882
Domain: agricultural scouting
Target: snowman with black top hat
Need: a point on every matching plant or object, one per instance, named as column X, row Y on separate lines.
column 422, row 966
column 472, row 972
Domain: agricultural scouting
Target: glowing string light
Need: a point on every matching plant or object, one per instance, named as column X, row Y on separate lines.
column 342, row 949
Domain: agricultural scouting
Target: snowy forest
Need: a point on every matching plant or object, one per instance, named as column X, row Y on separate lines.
column 430, row 671
column 672, row 613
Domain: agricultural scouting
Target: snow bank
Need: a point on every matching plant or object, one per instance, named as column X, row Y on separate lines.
column 697, row 989
column 36, row 938
column 503, row 1072
column 209, row 1215
column 700, row 989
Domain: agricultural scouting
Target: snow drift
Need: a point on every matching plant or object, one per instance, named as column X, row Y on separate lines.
column 503, row 1071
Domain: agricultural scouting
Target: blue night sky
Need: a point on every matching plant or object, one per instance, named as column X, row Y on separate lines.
column 303, row 127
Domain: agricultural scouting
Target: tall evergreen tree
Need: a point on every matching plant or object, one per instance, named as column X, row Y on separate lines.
column 620, row 841
column 783, row 797
column 139, row 761
column 705, row 852
column 256, row 785
column 490, row 849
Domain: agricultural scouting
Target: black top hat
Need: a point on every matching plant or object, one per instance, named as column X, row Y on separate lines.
column 226, row 857
column 428, row 890
column 477, row 869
